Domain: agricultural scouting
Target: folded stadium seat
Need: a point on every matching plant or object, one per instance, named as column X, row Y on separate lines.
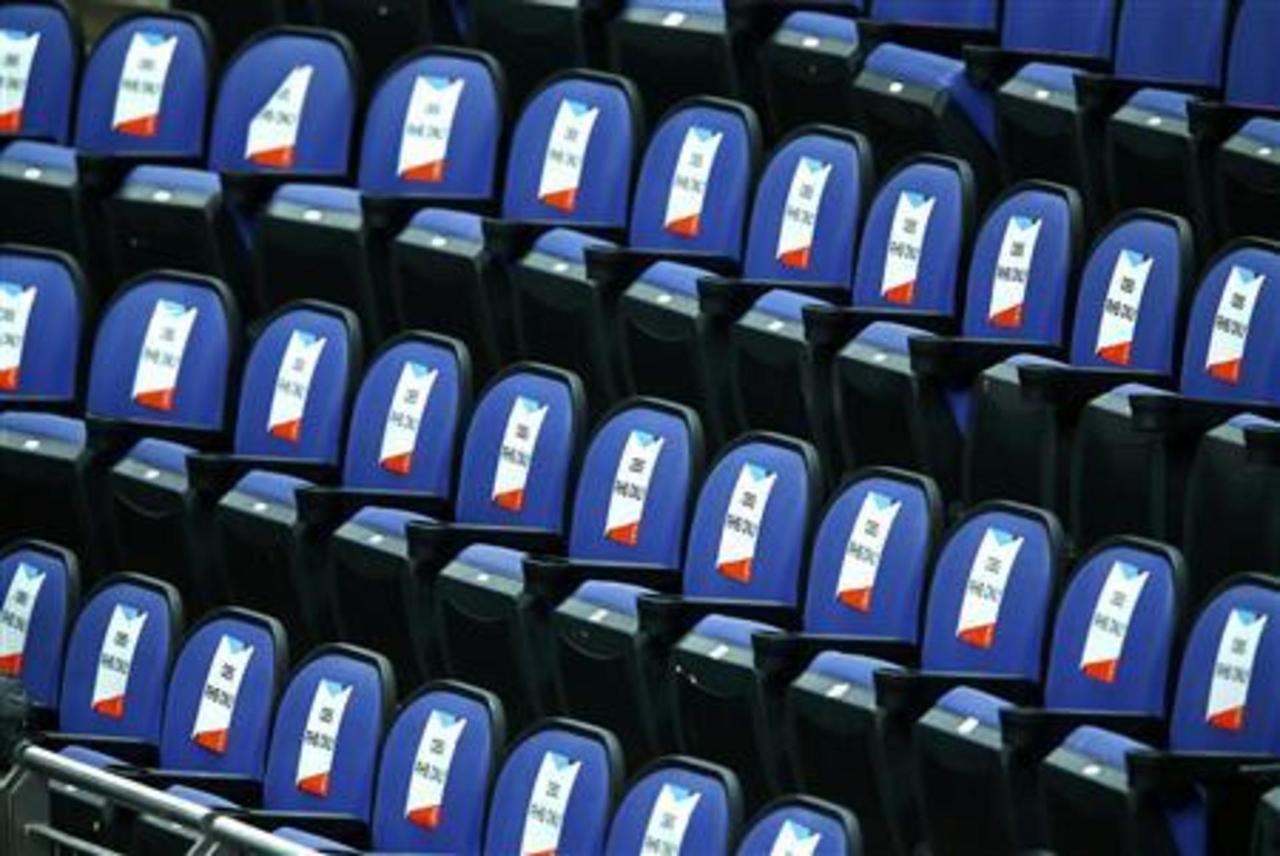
column 1130, row 312
column 41, row 47
column 389, row 31
column 1053, row 118
column 399, row 464
column 884, row 517
column 809, row 203
column 438, row 761
column 217, row 718
column 677, row 800
column 570, row 164
column 898, row 404
column 1134, row 443
column 912, row 249
column 41, row 585
column 321, row 762
column 977, row 755
column 518, row 464
column 744, row 559
column 1102, row 788
column 235, row 24
column 285, row 111
column 432, row 134
column 44, row 314
column 807, row 63
column 843, row 713
column 628, row 521
column 556, row 791
column 162, row 360
column 567, row 287
column 803, row 825
column 144, row 97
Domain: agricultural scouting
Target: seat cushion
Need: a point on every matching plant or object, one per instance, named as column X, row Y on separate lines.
column 1049, row 76
column 787, row 305
column 42, row 155
column 322, row 196
column 196, row 181
column 387, row 521
column 621, row 598
column 495, row 560
column 1264, row 132
column 676, row 278
column 93, row 758
column 199, row 797
column 940, row 73
column 889, row 337
column 162, row 454
column 831, row 27
column 313, row 842
column 1101, row 746
column 966, row 702
column 853, row 669
column 731, row 631
column 1162, row 102
column 276, row 488
column 453, row 224
column 568, row 245
column 63, row 429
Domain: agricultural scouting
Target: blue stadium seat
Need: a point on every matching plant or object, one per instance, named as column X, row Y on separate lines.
column 395, row 29
column 1102, row 788
column 894, row 407
column 556, row 791
column 1053, row 118
column 162, row 363
column 438, row 760
column 432, row 133
column 857, row 707
column 1110, row 663
column 44, row 314
column 1129, row 316
column 402, row 451
column 743, row 560
column 729, row 702
column 144, row 96
column 677, row 806
column 689, row 205
column 285, row 110
column 634, row 494
column 806, row 65
column 570, row 165
column 803, row 825
column 164, row 490
column 1134, row 443
column 41, row 585
column 42, row 50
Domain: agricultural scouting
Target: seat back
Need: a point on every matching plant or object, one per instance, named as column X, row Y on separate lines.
column 751, row 525
column 164, row 353
column 556, row 790
column 438, row 761
column 1078, row 28
column 573, row 151
column 1133, row 293
column 635, row 485
column 808, row 207
column 328, row 727
column 916, row 237
column 1231, row 353
column 407, row 416
column 297, row 380
column 871, row 556
column 805, row 825
column 1253, row 69
column 146, row 88
column 1226, row 698
column 40, row 57
column 678, row 805
column 41, row 585
column 118, row 655
column 1113, row 643
column 222, row 695
column 520, row 449
column 705, row 151
column 43, row 304
column 993, row 588
column 1022, row 273
column 1177, row 42
column 434, row 128
column 287, row 105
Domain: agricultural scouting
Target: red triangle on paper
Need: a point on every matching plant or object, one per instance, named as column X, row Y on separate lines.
column 290, row 432
column 11, row 122
column 563, row 200
column 157, row 399
column 512, row 500
column 110, row 707
column 1117, row 354
column 1009, row 319
column 686, row 227
column 1103, row 670
column 979, row 637
column 317, row 785
column 214, row 741
column 398, row 464
column 1228, row 372
column 1231, row 719
column 859, row 599
column 797, row 259
column 427, row 818
column 11, row 666
column 739, row 570
column 628, row 535
column 904, row 294
column 9, row 379
column 281, row 158
column 427, row 173
column 146, row 126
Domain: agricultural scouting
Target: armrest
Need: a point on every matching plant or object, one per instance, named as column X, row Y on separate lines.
column 1213, row 122
column 343, row 828
column 508, row 240
column 912, row 694
column 432, row 546
column 930, row 37
column 989, row 66
column 832, row 327
column 1103, row 94
column 1033, row 732
column 960, row 359
column 669, row 617
column 1183, row 418
column 130, row 751
column 555, row 578
column 787, row 655
column 1071, row 388
column 1262, row 444
column 612, row 269
column 214, row 475
column 240, row 790
column 329, row 507
column 1174, row 772
column 726, row 297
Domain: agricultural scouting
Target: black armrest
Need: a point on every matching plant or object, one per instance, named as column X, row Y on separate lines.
column 1181, row 417
column 726, row 297
column 669, row 617
column 1073, row 387
column 240, row 790
column 214, row 475
column 930, row 37
column 960, row 359
column 507, row 240
column 612, row 269
column 329, row 507
column 342, row 828
column 1213, row 122
column 989, row 66
column 1033, row 732
column 1103, row 94
column 831, row 327
column 1262, row 444
column 1175, row 772
column 787, row 655
column 912, row 694
column 432, row 546
column 555, row 578
column 131, row 752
